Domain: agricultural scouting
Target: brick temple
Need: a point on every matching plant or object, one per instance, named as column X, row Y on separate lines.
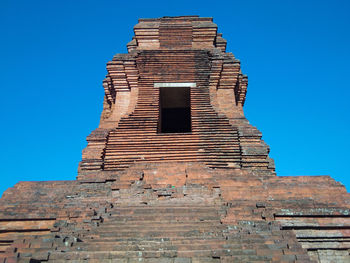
column 175, row 173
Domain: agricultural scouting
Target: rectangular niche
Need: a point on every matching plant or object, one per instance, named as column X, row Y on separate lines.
column 174, row 107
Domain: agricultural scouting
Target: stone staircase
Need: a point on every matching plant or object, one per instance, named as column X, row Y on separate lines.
column 176, row 212
column 186, row 232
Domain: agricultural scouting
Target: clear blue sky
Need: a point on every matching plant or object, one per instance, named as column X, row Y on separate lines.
column 53, row 56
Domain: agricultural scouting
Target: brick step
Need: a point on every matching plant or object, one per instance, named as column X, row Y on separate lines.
column 143, row 114
column 215, row 118
column 212, row 126
column 183, row 68
column 163, row 223
column 151, row 246
column 109, row 246
column 202, row 119
column 222, row 152
column 87, row 167
column 196, row 129
column 257, row 240
column 197, row 222
column 157, row 60
column 187, row 76
column 208, row 131
column 201, row 144
column 205, row 133
column 145, row 130
column 151, row 105
column 151, row 130
column 146, row 154
column 201, row 100
column 105, row 256
column 205, row 110
column 145, row 98
column 230, row 134
column 110, row 156
column 156, row 215
column 198, row 115
column 141, row 119
column 200, row 228
column 150, row 215
column 147, row 80
column 210, row 122
column 146, row 240
column 110, row 161
column 137, row 123
column 180, row 137
column 204, row 143
column 126, row 148
column 154, row 68
column 201, row 91
column 223, row 161
column 211, row 130
column 138, row 115
column 144, row 127
column 146, row 109
column 205, row 115
column 137, row 126
column 13, row 235
column 174, row 208
column 142, row 151
column 158, row 233
column 117, row 162
column 167, row 241
column 110, row 165
column 147, row 105
column 215, row 165
column 150, row 150
column 189, row 253
column 145, row 119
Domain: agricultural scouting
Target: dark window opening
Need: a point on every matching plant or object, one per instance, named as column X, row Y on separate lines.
column 174, row 109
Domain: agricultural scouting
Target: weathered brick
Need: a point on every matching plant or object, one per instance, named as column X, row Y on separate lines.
column 145, row 195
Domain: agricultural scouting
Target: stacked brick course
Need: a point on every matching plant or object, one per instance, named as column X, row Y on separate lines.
column 174, row 50
column 209, row 195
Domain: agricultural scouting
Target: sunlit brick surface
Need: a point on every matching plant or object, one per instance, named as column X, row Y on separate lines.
column 209, row 195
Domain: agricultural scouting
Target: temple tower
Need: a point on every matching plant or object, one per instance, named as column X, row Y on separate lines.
column 176, row 96
column 175, row 173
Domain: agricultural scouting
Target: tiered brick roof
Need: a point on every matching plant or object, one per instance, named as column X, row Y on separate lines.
column 208, row 195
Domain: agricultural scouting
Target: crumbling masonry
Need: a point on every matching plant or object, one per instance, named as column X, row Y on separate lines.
column 174, row 172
